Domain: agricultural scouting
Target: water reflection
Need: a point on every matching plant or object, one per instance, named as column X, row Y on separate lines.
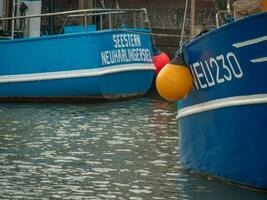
column 112, row 150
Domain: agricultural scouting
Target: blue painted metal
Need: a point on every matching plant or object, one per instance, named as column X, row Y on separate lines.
column 75, row 29
column 230, row 142
column 74, row 52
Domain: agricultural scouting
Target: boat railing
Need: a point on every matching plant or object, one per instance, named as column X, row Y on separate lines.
column 224, row 15
column 85, row 13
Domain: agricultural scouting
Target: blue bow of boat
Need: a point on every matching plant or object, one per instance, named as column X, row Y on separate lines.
column 223, row 121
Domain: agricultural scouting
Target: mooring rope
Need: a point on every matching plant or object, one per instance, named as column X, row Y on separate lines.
column 183, row 26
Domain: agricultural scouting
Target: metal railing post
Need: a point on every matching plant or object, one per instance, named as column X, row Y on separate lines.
column 85, row 21
column 109, row 20
column 101, row 22
column 13, row 20
column 134, row 19
column 142, row 19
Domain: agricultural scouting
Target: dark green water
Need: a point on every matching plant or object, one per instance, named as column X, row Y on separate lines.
column 113, row 150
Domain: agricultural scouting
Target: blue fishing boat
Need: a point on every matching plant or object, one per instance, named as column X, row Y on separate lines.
column 104, row 60
column 222, row 121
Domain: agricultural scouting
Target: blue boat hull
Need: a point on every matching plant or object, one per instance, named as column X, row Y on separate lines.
column 222, row 123
column 106, row 64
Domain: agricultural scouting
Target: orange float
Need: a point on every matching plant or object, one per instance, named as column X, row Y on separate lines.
column 174, row 82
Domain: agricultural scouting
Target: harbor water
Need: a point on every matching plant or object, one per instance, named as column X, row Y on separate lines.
column 109, row 150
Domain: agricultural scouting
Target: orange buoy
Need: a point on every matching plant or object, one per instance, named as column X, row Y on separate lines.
column 174, row 82
column 160, row 60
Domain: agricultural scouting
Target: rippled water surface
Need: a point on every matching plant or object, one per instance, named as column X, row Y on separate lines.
column 111, row 150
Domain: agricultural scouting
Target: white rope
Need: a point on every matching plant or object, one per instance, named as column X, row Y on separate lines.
column 183, row 27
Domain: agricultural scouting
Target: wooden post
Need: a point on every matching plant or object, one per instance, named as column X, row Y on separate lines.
column 81, row 6
column 6, row 7
column 86, row 4
column 193, row 17
column 1, row 13
column 90, row 5
column 1, row 8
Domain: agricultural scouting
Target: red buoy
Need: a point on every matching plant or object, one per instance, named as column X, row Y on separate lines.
column 160, row 60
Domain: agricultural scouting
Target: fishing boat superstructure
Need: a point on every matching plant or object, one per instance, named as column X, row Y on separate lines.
column 104, row 60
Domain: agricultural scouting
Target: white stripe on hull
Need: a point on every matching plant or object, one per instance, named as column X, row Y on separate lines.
column 222, row 103
column 75, row 73
column 250, row 42
column 259, row 60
